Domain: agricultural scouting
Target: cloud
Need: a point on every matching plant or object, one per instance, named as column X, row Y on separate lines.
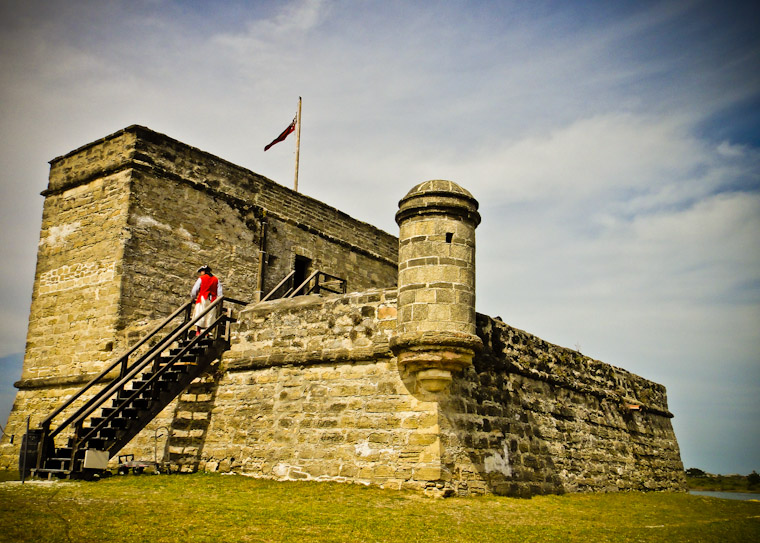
column 589, row 157
column 613, row 147
column 265, row 38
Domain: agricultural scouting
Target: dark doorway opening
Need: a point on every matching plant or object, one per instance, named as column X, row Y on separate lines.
column 302, row 268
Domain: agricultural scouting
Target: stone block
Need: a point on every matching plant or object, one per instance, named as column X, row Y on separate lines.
column 427, row 473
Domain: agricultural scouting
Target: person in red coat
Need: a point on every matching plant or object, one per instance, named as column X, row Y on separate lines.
column 205, row 290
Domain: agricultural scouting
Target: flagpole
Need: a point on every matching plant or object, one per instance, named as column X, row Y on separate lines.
column 298, row 141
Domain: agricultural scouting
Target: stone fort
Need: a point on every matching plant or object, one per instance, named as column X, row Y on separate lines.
column 355, row 356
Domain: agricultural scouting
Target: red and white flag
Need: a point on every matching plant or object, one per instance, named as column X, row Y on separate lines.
column 285, row 133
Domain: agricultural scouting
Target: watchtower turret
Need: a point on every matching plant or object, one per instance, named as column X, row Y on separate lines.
column 436, row 283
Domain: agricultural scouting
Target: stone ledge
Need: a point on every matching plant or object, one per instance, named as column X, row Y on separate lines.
column 439, row 339
column 260, row 359
column 63, row 380
column 599, row 392
column 561, row 366
column 284, row 305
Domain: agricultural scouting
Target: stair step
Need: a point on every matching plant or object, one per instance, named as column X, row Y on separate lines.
column 144, row 395
column 57, row 463
column 157, row 383
column 181, row 365
column 116, row 422
column 172, row 372
column 48, row 471
column 195, row 350
column 97, row 443
column 126, row 413
column 119, row 422
column 137, row 404
column 203, row 344
column 107, row 432
column 137, row 383
column 147, row 393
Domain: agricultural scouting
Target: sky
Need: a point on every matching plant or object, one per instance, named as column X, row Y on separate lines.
column 614, row 148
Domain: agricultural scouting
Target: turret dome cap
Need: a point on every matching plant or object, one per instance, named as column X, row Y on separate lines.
column 438, row 186
column 438, row 196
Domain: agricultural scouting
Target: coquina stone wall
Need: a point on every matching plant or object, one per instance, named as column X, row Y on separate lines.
column 129, row 218
column 77, row 286
column 221, row 208
column 400, row 385
column 531, row 417
column 311, row 390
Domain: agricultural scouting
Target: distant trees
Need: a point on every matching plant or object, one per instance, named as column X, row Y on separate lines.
column 701, row 480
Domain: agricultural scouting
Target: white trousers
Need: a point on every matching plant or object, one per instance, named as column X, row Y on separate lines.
column 209, row 318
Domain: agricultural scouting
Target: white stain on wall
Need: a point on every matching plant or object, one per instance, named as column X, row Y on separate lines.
column 499, row 463
column 58, row 234
column 145, row 221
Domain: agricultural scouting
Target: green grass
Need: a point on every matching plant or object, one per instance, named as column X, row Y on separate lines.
column 215, row 508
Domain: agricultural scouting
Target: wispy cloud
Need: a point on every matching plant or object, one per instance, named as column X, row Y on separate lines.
column 613, row 147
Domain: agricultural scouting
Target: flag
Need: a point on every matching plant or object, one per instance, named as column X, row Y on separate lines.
column 285, row 133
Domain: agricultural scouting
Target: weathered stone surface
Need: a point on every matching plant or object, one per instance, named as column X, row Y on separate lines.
column 436, row 329
column 528, row 417
column 126, row 222
column 312, row 388
column 531, row 417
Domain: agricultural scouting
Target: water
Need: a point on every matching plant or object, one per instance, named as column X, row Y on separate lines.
column 726, row 495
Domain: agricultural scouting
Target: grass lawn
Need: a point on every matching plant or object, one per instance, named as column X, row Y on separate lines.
column 216, row 508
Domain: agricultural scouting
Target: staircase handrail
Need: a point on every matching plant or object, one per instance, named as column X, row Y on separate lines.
column 97, row 399
column 141, row 363
column 303, row 285
column 332, row 279
column 316, row 274
column 235, row 301
column 156, row 375
column 45, row 425
column 275, row 289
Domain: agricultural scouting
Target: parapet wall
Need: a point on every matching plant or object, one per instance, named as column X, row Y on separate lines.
column 141, row 147
column 532, row 417
column 311, row 390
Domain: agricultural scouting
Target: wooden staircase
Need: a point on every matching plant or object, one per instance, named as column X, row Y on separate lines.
column 316, row 283
column 103, row 421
